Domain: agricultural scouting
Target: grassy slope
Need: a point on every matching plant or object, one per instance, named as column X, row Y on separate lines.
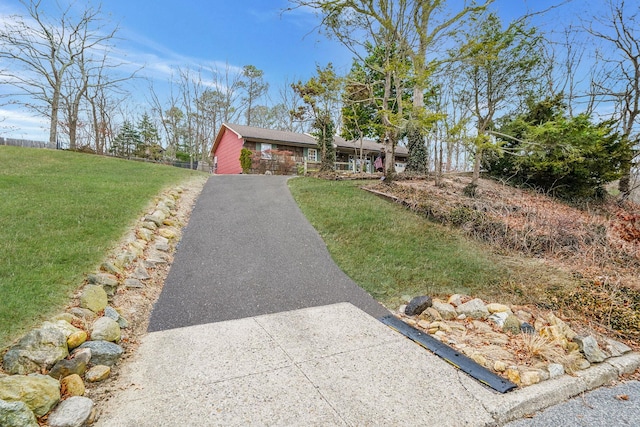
column 390, row 251
column 60, row 212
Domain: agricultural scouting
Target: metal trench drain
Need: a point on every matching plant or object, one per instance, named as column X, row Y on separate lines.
column 449, row 354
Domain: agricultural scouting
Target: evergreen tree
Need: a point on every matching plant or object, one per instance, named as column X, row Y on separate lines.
column 126, row 141
column 149, row 146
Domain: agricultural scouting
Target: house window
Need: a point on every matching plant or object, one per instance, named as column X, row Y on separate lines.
column 312, row 155
column 265, row 149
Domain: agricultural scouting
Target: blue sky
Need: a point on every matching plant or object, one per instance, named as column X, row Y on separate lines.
column 162, row 35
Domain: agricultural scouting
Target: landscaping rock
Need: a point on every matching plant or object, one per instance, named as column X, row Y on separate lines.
column 156, row 217
column 61, row 325
column 98, row 373
column 141, row 273
column 446, row 310
column 511, row 324
column 168, row 233
column 76, row 339
column 72, row 385
column 125, row 259
column 73, row 412
column 529, row 378
column 110, row 268
column 103, row 279
column 133, row 284
column 498, row 308
column 417, row 305
column 499, row 318
column 103, row 352
column 555, row 370
column 164, row 247
column 589, row 347
column 76, row 365
column 39, row 392
column 16, row 414
column 112, row 313
column 67, row 317
column 154, row 262
column 40, row 348
column 431, row 314
column 475, row 309
column 106, row 329
column 94, row 298
column 527, row 328
column 456, row 299
column 615, row 348
column 150, row 225
column 83, row 313
column 145, row 234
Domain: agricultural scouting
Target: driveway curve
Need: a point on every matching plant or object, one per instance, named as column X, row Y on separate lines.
column 248, row 250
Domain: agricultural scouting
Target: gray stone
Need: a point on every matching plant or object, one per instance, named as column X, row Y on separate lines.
column 76, row 365
column 103, row 352
column 555, row 370
column 150, row 225
column 154, row 262
column 124, row 259
column 145, row 234
column 417, row 305
column 475, row 309
column 156, row 217
column 103, row 279
column 511, row 324
column 615, row 348
column 527, row 328
column 105, row 329
column 110, row 268
column 164, row 247
column 589, row 347
column 83, row 313
column 16, row 414
column 40, row 348
column 67, row 317
column 61, row 325
column 133, row 283
column 112, row 313
column 446, row 310
column 94, row 298
column 141, row 273
column 498, row 318
column 73, row 412
column 39, row 392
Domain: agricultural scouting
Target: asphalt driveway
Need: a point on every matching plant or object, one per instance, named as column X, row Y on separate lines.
column 249, row 251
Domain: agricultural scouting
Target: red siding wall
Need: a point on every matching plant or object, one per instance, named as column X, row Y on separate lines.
column 228, row 153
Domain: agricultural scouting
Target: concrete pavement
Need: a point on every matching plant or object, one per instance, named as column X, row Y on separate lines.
column 242, row 337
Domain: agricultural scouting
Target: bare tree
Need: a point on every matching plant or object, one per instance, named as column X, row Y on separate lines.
column 620, row 30
column 41, row 50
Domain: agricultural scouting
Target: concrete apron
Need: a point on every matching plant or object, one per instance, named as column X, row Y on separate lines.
column 329, row 365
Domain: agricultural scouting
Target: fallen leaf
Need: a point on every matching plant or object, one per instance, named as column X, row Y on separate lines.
column 622, row 397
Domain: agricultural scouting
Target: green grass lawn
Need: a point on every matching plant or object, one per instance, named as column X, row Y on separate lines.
column 60, row 213
column 390, row 251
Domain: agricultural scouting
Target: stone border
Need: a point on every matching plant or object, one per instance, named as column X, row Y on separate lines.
column 112, row 307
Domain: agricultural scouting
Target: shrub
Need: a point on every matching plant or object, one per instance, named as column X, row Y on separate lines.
column 245, row 160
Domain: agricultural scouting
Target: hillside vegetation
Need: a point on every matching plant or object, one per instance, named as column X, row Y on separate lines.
column 518, row 246
column 60, row 212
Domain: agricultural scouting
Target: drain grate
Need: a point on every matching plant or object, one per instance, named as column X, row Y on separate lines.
column 449, row 354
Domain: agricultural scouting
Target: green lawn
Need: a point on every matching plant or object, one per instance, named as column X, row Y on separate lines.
column 60, row 213
column 390, row 251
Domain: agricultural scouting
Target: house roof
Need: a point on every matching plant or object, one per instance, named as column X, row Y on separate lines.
column 294, row 138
